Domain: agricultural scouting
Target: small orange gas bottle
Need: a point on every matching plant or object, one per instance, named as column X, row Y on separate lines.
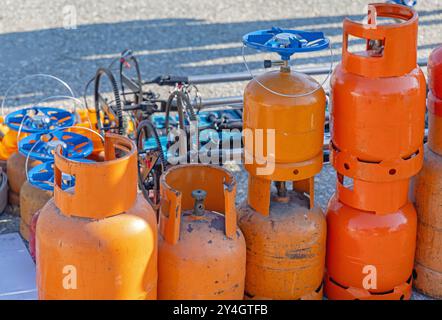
column 285, row 232
column 377, row 120
column 202, row 253
column 428, row 190
column 98, row 239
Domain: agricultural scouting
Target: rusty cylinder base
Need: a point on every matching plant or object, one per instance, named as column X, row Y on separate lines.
column 428, row 281
column 203, row 264
column 285, row 250
column 428, row 199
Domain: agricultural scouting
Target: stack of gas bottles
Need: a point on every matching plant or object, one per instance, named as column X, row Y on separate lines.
column 29, row 144
column 100, row 239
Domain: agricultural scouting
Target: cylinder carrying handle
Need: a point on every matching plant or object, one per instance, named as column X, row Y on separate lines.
column 102, row 189
column 176, row 187
column 398, row 42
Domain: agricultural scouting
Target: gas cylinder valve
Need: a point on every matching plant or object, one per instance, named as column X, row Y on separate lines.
column 284, row 64
column 199, row 196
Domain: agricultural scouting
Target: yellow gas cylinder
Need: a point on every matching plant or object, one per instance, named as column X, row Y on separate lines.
column 202, row 253
column 98, row 239
column 32, row 199
column 428, row 190
column 285, row 233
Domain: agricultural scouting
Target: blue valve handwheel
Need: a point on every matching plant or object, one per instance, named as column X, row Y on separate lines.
column 39, row 119
column 42, row 176
column 286, row 42
column 42, row 146
column 408, row 3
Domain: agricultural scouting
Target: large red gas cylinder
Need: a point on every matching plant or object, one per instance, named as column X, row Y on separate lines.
column 377, row 121
column 369, row 256
column 202, row 253
column 97, row 240
column 285, row 232
column 428, row 190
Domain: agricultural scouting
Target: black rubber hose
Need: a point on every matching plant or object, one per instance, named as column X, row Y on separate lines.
column 147, row 126
column 139, row 79
column 119, row 110
column 92, row 80
column 172, row 96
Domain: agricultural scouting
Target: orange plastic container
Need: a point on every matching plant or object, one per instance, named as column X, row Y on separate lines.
column 97, row 240
column 361, row 244
column 378, row 102
column 202, row 253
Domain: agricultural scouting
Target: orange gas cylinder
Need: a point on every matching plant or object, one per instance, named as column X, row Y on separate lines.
column 15, row 168
column 378, row 106
column 98, row 149
column 285, row 233
column 377, row 119
column 202, row 253
column 32, row 199
column 428, row 190
column 4, row 153
column 286, row 248
column 98, row 239
column 428, row 200
column 369, row 256
column 290, row 104
column 8, row 145
column 435, row 72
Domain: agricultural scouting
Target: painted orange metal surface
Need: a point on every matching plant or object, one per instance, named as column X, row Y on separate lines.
column 285, row 233
column 9, row 144
column 88, row 119
column 15, row 167
column 357, row 239
column 98, row 240
column 434, row 105
column 379, row 197
column 200, row 256
column 285, row 250
column 32, row 199
column 339, row 292
column 434, row 68
column 428, row 200
column 428, row 190
column 378, row 101
column 299, row 130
